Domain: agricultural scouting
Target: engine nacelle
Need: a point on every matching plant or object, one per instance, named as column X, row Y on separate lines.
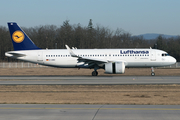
column 115, row 68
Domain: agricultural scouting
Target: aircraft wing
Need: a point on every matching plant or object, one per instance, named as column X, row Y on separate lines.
column 87, row 60
column 91, row 61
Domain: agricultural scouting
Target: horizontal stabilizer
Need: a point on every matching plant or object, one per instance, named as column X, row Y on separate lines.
column 12, row 54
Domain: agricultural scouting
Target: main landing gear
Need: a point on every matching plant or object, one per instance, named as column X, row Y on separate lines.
column 94, row 73
column 152, row 71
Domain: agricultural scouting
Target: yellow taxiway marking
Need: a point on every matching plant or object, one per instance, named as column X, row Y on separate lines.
column 93, row 108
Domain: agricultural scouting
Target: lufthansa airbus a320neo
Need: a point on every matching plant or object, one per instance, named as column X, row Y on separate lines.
column 113, row 61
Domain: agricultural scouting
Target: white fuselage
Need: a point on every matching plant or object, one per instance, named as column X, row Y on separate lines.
column 62, row 58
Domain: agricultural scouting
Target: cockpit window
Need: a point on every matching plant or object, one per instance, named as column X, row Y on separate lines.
column 165, row 54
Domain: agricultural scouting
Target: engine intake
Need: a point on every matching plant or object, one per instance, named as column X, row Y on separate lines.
column 115, row 68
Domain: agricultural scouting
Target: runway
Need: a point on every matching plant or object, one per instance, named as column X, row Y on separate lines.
column 88, row 112
column 65, row 80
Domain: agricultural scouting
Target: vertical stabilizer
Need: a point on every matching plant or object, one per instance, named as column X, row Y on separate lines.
column 19, row 38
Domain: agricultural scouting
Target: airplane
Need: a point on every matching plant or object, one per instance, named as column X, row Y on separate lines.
column 113, row 61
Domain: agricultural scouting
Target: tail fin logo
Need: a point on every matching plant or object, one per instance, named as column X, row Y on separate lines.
column 18, row 36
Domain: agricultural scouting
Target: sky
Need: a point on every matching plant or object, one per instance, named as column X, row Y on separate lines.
column 134, row 16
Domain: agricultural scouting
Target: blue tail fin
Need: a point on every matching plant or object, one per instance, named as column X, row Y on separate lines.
column 19, row 38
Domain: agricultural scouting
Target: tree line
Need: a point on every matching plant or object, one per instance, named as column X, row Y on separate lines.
column 86, row 37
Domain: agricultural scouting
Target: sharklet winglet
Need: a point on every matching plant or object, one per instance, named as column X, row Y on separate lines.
column 70, row 51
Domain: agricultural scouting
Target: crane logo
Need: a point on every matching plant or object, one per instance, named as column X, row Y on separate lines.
column 18, row 36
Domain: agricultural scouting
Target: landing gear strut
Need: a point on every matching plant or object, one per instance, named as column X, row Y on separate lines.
column 152, row 71
column 94, row 73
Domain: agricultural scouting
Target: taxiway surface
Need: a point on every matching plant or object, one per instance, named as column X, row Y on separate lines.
column 50, row 80
column 88, row 112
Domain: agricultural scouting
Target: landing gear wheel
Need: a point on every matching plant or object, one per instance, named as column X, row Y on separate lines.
column 152, row 71
column 152, row 74
column 94, row 73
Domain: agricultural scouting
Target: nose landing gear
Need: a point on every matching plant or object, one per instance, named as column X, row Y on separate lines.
column 152, row 71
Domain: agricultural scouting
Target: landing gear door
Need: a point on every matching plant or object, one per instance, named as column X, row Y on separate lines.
column 40, row 57
column 153, row 55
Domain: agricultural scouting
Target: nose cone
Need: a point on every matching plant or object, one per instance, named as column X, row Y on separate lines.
column 173, row 60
